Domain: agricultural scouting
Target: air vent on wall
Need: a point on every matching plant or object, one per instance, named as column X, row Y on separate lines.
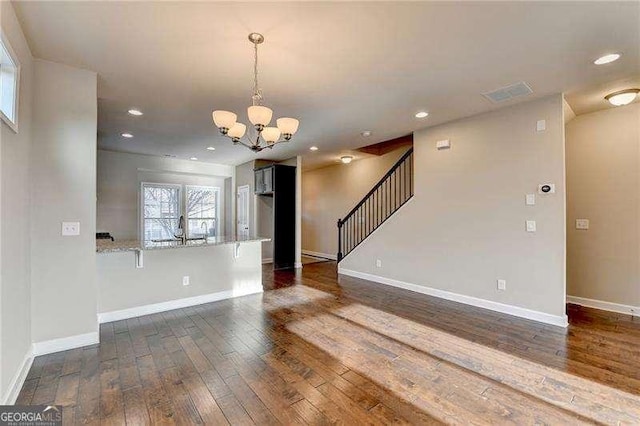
column 508, row 92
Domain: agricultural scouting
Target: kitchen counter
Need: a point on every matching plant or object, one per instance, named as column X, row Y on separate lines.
column 118, row 246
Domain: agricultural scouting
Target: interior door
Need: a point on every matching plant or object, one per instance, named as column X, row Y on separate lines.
column 243, row 211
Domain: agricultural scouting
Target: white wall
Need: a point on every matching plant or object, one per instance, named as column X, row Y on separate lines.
column 63, row 174
column 603, row 186
column 15, row 291
column 119, row 178
column 465, row 227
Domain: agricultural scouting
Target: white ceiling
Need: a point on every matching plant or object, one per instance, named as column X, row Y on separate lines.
column 341, row 68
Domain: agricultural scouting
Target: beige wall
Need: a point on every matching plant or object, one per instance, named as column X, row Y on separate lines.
column 15, row 185
column 329, row 193
column 465, row 227
column 603, row 185
column 211, row 269
column 119, row 178
column 63, row 172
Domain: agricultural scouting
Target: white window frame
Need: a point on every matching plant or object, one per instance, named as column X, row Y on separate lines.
column 215, row 189
column 13, row 124
column 182, row 203
column 158, row 185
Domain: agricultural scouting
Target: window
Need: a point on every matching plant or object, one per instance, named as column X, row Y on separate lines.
column 202, row 211
column 160, row 211
column 9, row 84
column 162, row 206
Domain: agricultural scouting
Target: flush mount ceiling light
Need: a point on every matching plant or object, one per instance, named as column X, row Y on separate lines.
column 127, row 135
column 259, row 116
column 134, row 111
column 422, row 114
column 366, row 133
column 211, row 148
column 314, row 148
column 607, row 59
column 623, row 97
column 346, row 159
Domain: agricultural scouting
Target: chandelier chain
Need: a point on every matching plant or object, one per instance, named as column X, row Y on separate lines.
column 257, row 95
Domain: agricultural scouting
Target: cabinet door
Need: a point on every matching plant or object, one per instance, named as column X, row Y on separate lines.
column 268, row 180
column 259, row 181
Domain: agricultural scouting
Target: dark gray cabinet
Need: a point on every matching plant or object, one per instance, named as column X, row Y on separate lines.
column 264, row 180
column 279, row 181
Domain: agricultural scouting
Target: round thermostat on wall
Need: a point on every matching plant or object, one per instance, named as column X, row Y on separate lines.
column 546, row 188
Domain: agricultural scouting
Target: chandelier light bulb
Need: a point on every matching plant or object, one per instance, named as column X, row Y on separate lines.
column 259, row 116
column 271, row 134
column 288, row 126
column 237, row 131
column 224, row 120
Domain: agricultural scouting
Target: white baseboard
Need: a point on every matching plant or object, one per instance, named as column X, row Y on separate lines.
column 317, row 254
column 65, row 343
column 559, row 320
column 18, row 380
column 297, row 265
column 267, row 260
column 605, row 306
column 175, row 304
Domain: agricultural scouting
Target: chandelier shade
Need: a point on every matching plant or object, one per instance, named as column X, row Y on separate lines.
column 237, row 131
column 288, row 126
column 271, row 134
column 259, row 115
column 224, row 119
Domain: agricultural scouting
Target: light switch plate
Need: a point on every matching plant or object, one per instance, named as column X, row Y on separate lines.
column 502, row 285
column 541, row 125
column 530, row 199
column 582, row 224
column 70, row 229
column 531, row 226
column 379, row 263
column 185, row 280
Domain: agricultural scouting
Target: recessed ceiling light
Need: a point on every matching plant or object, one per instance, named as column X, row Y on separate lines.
column 134, row 111
column 194, row 158
column 314, row 148
column 127, row 135
column 346, row 159
column 607, row 59
column 623, row 97
column 211, row 148
column 422, row 114
column 366, row 133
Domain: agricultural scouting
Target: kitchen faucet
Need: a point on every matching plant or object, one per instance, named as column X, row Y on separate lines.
column 181, row 235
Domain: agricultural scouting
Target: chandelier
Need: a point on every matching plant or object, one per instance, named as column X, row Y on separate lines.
column 259, row 116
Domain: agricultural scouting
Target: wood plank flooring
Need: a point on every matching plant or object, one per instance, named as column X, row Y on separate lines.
column 316, row 348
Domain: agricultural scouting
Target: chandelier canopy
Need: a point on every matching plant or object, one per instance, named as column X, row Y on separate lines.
column 259, row 115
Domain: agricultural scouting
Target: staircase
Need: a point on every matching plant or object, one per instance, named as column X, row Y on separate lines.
column 387, row 196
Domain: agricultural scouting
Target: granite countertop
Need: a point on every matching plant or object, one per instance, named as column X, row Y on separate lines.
column 108, row 246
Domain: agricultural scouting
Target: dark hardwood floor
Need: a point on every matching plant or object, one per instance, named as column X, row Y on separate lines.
column 319, row 349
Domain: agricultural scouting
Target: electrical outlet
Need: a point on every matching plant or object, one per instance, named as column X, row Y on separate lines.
column 70, row 229
column 378, row 263
column 502, row 285
column 185, row 280
column 541, row 125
